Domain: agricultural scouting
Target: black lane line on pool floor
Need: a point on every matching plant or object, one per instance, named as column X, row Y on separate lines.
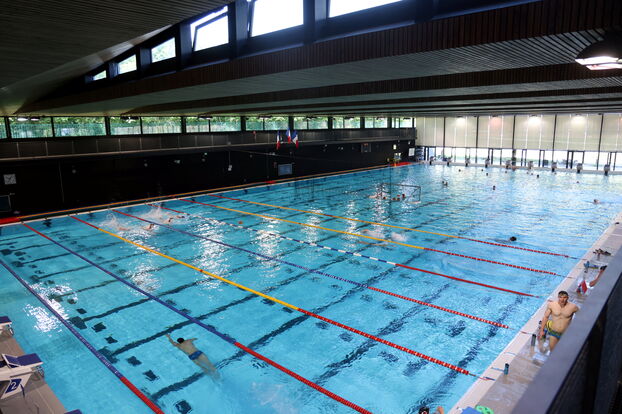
column 267, row 338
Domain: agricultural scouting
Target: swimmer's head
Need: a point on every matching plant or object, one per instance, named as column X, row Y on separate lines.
column 180, row 340
column 512, row 238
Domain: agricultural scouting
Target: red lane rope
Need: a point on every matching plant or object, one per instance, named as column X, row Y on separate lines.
column 142, row 396
column 394, row 226
column 386, row 292
column 492, row 261
column 466, row 315
column 465, row 280
column 385, row 261
column 367, row 237
column 391, row 344
column 304, row 380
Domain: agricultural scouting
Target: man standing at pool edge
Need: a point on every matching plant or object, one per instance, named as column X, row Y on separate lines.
column 561, row 313
column 196, row 356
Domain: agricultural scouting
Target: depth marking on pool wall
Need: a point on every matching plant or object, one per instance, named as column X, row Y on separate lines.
column 301, row 310
column 394, row 226
column 190, row 318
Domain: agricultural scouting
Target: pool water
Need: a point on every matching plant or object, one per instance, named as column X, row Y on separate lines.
column 552, row 212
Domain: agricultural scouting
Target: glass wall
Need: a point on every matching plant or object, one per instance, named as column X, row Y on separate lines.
column 197, row 124
column 347, row 122
column 275, row 123
column 65, row 126
column 123, row 125
column 225, row 123
column 313, row 122
column 161, row 124
column 28, row 128
column 376, row 122
column 2, row 128
column 254, row 123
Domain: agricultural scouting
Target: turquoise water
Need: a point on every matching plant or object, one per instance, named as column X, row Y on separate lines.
column 553, row 213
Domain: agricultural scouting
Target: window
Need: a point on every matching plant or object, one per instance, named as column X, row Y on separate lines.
column 127, row 65
column 161, row 124
column 339, row 7
column 254, row 123
column 347, row 122
column 100, row 75
column 2, row 128
column 225, row 123
column 311, row 122
column 25, row 127
column 276, row 123
column 211, row 30
column 124, row 125
column 272, row 15
column 376, row 122
column 197, row 124
column 78, row 126
column 403, row 122
column 163, row 51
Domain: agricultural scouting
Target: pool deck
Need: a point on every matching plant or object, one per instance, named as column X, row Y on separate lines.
column 39, row 397
column 502, row 394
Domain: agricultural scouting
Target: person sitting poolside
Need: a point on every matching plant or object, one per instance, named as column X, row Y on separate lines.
column 561, row 313
column 196, row 356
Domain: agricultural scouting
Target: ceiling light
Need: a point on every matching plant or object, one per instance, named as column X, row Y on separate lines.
column 204, row 117
column 35, row 118
column 606, row 54
column 22, row 118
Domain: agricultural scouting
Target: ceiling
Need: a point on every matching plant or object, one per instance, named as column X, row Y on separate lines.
column 517, row 59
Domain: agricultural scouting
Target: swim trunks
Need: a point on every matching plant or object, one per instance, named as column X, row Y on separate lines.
column 551, row 331
column 195, row 355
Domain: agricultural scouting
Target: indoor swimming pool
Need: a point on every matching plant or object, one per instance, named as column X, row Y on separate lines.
column 380, row 290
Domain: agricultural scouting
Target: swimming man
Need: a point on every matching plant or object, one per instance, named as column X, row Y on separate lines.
column 196, row 356
column 561, row 313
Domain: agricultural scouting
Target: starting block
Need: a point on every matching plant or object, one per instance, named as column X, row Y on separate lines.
column 16, row 371
column 5, row 325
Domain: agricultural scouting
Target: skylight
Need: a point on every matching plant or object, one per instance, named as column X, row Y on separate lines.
column 127, row 65
column 212, row 32
column 163, row 51
column 272, row 15
column 100, row 75
column 339, row 7
column 200, row 24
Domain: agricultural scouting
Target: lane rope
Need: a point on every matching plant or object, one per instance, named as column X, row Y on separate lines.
column 87, row 344
column 360, row 255
column 386, row 292
column 394, row 226
column 209, row 328
column 373, row 238
column 288, row 305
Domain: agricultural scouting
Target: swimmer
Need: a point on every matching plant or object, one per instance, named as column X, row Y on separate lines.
column 196, row 356
column 494, row 187
column 397, row 237
column 403, row 196
column 240, row 222
column 537, row 175
column 513, row 238
column 596, row 201
column 149, row 227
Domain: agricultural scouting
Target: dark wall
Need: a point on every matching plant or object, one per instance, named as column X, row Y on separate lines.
column 56, row 184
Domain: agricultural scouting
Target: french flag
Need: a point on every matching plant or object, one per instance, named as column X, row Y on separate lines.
column 582, row 288
column 278, row 139
column 289, row 136
column 295, row 139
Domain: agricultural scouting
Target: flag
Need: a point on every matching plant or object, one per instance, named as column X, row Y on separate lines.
column 289, row 136
column 582, row 288
column 296, row 139
column 278, row 139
